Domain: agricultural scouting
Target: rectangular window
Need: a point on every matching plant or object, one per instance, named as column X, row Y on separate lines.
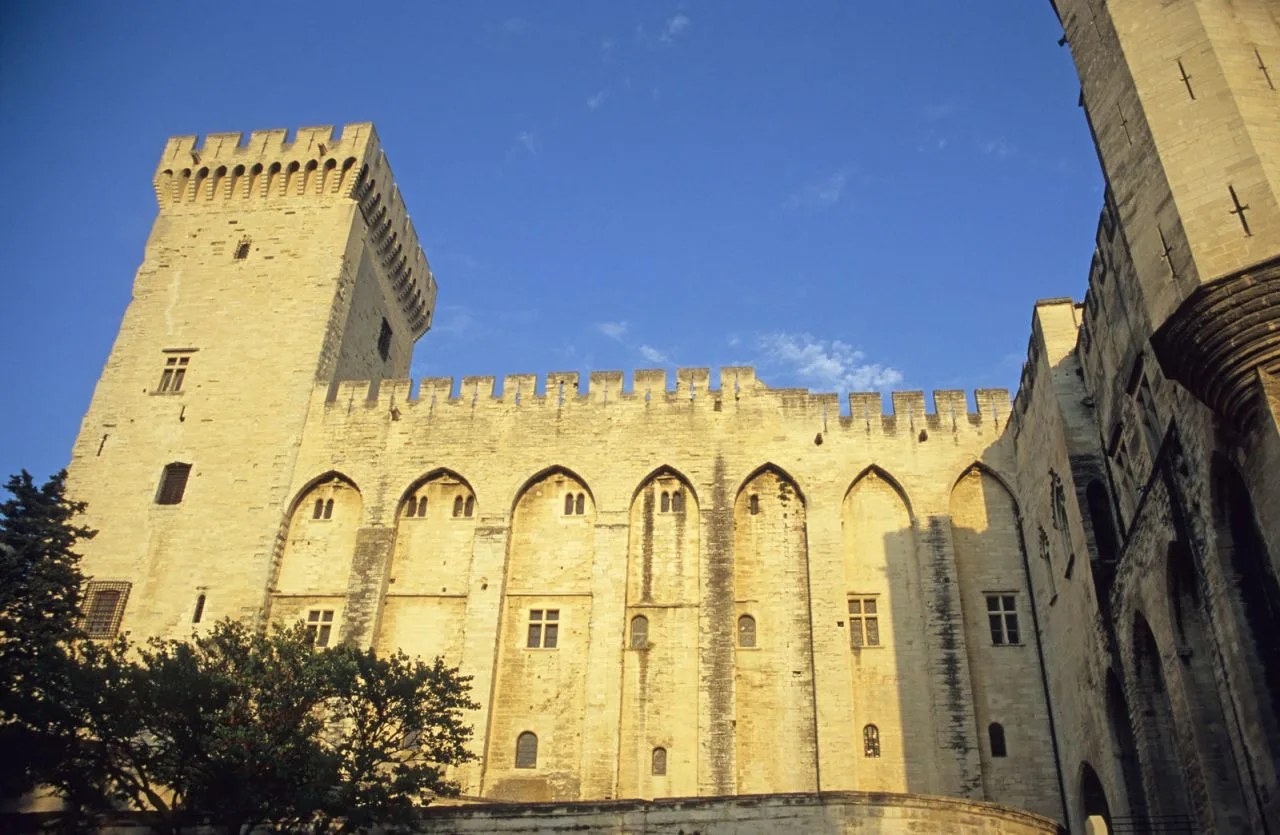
column 1002, row 615
column 103, row 608
column 864, row 622
column 319, row 626
column 175, row 370
column 544, row 628
column 384, row 341
column 173, row 483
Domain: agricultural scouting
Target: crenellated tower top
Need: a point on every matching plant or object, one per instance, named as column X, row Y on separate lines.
column 316, row 164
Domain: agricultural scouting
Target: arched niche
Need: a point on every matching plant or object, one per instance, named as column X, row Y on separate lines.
column 770, row 574
column 1164, row 779
column 321, row 539
column 660, row 674
column 552, row 534
column 882, row 616
column 1092, row 799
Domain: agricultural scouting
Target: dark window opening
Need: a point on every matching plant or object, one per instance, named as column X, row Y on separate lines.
column 995, row 731
column 318, row 510
column 319, row 627
column 677, row 501
column 199, row 612
column 1104, row 531
column 384, row 341
column 864, row 622
column 242, row 251
column 754, row 504
column 665, row 505
column 659, row 763
column 1002, row 616
column 469, row 507
column 422, row 506
column 871, row 741
column 639, row 632
column 527, row 750
column 579, row 504
column 173, row 483
column 457, row 506
column 746, row 631
column 175, row 371
column 568, row 504
column 104, row 604
column 544, row 629
column 328, row 509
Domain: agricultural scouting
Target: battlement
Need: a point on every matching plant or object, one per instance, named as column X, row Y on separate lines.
column 738, row 388
column 316, row 165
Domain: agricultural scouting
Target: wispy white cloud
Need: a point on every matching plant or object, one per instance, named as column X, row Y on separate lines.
column 652, row 354
column 826, row 191
column 675, row 26
column 998, row 147
column 826, row 364
column 529, row 141
column 594, row 102
column 613, row 330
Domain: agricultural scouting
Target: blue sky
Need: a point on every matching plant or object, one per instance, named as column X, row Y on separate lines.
column 847, row 195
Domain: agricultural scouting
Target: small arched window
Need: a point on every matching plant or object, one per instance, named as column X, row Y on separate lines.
column 871, row 741
column 755, row 504
column 639, row 632
column 995, row 731
column 457, row 506
column 677, row 501
column 568, row 504
column 318, row 510
column 746, row 631
column 328, row 509
column 659, row 766
column 422, row 506
column 469, row 508
column 527, row 750
column 199, row 612
column 411, row 506
column 580, row 504
column 665, row 506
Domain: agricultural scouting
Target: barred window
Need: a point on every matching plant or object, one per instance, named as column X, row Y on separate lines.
column 544, row 629
column 175, row 371
column 639, row 632
column 871, row 741
column 864, row 622
column 173, row 483
column 1002, row 616
column 319, row 626
column 242, row 250
column 104, row 603
column 527, row 750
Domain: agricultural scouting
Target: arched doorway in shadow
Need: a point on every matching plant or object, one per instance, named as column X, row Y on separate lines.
column 1093, row 797
column 1126, row 748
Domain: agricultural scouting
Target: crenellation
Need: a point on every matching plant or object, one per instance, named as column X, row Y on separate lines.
column 692, row 382
column 519, row 388
column 605, row 386
column 650, row 383
column 908, row 407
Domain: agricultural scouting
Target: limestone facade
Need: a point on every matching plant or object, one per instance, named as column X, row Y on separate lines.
column 707, row 587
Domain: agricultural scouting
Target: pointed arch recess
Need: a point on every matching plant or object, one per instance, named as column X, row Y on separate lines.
column 547, row 472
column 874, row 470
column 323, row 478
column 778, row 472
column 664, row 470
column 431, row 475
column 984, row 469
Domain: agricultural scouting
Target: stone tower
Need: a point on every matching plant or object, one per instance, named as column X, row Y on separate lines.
column 275, row 265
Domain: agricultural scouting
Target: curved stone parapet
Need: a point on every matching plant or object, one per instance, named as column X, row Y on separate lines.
column 865, row 813
column 1218, row 338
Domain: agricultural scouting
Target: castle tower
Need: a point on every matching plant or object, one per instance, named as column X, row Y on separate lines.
column 274, row 265
column 1184, row 103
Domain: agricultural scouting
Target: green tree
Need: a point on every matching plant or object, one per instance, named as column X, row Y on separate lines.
column 243, row 729
column 40, row 588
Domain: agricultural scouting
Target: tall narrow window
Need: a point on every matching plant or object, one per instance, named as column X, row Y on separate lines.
column 457, row 506
column 527, row 750
column 173, row 483
column 328, row 509
column 580, row 504
column 422, row 505
column 1002, row 616
column 995, row 731
column 677, row 501
column 665, row 506
column 104, row 604
column 1104, row 531
column 746, row 631
column 242, row 251
column 469, row 507
column 864, row 622
column 318, row 510
column 198, row 614
column 384, row 341
column 754, row 503
column 319, row 626
column 871, row 741
column 639, row 632
column 175, row 371
column 568, row 504
column 659, row 763
column 544, row 629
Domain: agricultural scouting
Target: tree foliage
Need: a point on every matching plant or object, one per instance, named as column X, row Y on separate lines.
column 243, row 729
column 40, row 585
